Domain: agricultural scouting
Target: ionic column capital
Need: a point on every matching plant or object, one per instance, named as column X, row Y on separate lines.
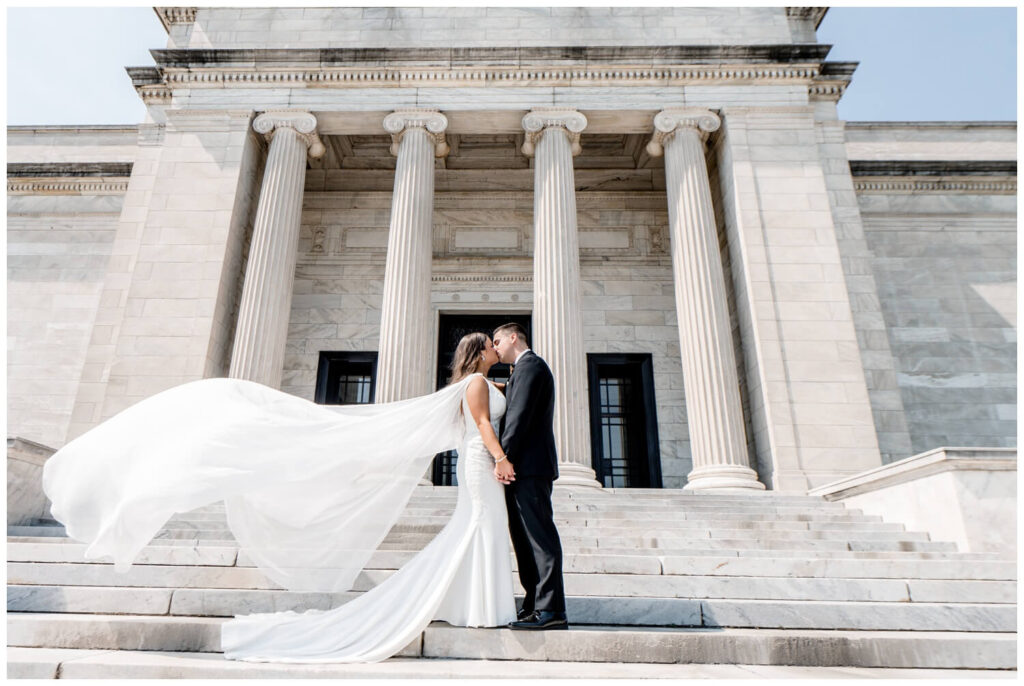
column 540, row 119
column 302, row 122
column 667, row 122
column 432, row 121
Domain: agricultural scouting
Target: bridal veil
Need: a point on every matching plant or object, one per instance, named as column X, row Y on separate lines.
column 310, row 490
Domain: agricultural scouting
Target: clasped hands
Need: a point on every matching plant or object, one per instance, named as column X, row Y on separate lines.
column 504, row 472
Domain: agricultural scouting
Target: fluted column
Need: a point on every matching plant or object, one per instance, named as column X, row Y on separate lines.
column 262, row 329
column 713, row 409
column 403, row 369
column 553, row 135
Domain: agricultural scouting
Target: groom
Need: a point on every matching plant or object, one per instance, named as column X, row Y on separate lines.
column 528, row 439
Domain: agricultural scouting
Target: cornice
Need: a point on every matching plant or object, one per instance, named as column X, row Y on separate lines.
column 598, row 66
column 522, row 57
column 67, row 169
column 175, row 15
column 813, row 14
column 832, row 81
column 933, row 167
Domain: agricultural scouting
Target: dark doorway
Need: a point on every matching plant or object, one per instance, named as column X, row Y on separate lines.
column 451, row 329
column 623, row 422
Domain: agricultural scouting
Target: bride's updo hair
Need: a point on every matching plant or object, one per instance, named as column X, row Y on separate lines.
column 467, row 355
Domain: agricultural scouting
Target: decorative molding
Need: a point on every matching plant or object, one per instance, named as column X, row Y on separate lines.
column 435, row 123
column 952, row 185
column 175, row 15
column 449, row 58
column 457, row 77
column 832, row 81
column 812, row 14
column 933, row 167
column 67, row 186
column 540, row 118
column 489, row 277
column 667, row 122
column 52, row 170
column 303, row 122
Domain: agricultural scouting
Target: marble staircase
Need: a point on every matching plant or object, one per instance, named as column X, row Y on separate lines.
column 653, row 577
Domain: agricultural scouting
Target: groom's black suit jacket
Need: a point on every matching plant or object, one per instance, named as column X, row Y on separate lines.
column 527, row 427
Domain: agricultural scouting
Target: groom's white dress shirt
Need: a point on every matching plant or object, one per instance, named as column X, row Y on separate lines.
column 520, row 355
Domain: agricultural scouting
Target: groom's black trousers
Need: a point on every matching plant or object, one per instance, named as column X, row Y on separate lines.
column 536, row 543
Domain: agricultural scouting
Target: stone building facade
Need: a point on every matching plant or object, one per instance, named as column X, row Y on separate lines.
column 734, row 287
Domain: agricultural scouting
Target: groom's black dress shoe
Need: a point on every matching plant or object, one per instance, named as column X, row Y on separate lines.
column 542, row 620
column 523, row 614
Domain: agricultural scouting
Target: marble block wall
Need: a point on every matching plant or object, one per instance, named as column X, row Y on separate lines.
column 367, row 27
column 58, row 247
column 809, row 404
column 945, row 265
column 169, row 294
column 482, row 264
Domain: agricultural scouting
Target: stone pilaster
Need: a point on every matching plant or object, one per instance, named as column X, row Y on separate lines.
column 262, row 328
column 403, row 365
column 553, row 137
column 713, row 408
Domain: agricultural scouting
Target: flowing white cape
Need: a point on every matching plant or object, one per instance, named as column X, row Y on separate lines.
column 310, row 490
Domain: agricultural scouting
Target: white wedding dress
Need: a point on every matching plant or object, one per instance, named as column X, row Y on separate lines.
column 310, row 492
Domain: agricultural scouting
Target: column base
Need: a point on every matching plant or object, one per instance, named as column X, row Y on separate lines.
column 574, row 475
column 722, row 476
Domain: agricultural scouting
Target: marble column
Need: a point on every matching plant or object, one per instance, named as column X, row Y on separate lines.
column 710, row 381
column 262, row 329
column 553, row 137
column 404, row 361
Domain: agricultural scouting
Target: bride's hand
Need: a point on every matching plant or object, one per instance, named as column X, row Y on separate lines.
column 504, row 472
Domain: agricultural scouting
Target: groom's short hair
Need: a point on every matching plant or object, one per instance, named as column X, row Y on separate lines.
column 510, row 328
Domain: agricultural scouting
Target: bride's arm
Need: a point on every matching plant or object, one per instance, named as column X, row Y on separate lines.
column 479, row 407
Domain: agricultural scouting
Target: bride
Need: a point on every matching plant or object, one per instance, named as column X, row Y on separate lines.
column 310, row 492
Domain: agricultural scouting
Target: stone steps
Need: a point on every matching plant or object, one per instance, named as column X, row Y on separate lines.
column 70, row 663
column 693, row 529
column 992, row 612
column 631, row 563
column 593, row 583
column 655, row 553
column 919, row 649
column 734, row 576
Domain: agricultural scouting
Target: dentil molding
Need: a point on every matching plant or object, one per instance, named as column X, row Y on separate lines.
column 304, row 123
column 667, row 122
column 539, row 119
column 435, row 123
column 176, row 15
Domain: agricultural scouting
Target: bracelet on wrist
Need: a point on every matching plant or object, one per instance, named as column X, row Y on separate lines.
column 502, row 459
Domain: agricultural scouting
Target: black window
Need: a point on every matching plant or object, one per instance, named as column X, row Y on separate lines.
column 346, row 378
column 623, row 423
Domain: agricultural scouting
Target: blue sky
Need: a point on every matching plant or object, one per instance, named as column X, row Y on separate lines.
column 66, row 65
